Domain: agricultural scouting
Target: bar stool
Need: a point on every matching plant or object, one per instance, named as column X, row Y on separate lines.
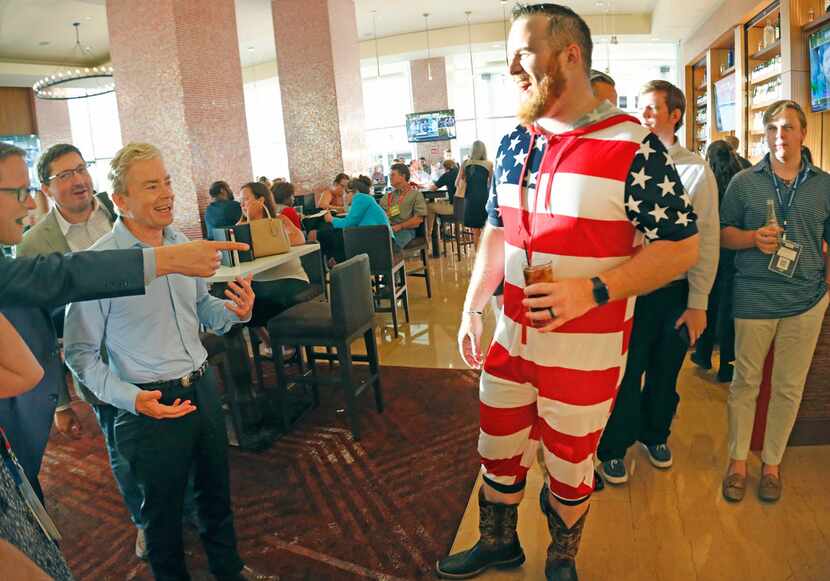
column 337, row 324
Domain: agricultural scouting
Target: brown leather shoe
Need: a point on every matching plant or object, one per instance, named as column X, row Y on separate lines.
column 769, row 490
column 734, row 487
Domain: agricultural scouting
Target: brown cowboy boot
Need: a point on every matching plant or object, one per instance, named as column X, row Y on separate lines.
column 498, row 544
column 561, row 560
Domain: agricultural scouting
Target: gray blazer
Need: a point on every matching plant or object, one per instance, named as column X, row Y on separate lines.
column 46, row 237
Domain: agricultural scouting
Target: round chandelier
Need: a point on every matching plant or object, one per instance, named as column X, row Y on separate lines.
column 76, row 82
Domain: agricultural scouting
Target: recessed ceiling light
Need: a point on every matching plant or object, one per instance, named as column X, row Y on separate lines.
column 87, row 18
column 496, row 46
column 44, row 43
column 250, row 49
column 599, row 4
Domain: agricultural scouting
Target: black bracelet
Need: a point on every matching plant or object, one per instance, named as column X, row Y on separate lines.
column 479, row 313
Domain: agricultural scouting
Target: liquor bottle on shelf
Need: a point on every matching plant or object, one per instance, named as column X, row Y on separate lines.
column 778, row 28
column 769, row 34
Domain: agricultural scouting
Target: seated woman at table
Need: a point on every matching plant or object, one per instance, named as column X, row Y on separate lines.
column 275, row 288
column 335, row 196
column 447, row 179
column 364, row 211
column 283, row 193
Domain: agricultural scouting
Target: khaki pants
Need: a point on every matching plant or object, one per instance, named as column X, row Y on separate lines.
column 795, row 341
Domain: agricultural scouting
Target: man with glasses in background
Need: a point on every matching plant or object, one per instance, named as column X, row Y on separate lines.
column 27, row 419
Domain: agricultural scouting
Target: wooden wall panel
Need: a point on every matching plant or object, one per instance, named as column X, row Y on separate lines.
column 17, row 114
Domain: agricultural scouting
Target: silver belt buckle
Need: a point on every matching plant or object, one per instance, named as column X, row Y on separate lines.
column 186, row 381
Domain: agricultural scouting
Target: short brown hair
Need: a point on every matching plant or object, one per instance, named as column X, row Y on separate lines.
column 674, row 97
column 283, row 192
column 564, row 27
column 8, row 150
column 402, row 169
column 778, row 107
column 44, row 164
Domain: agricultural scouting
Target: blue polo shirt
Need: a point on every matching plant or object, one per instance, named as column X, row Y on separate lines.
column 759, row 292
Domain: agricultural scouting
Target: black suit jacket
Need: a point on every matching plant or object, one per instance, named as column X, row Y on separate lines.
column 58, row 279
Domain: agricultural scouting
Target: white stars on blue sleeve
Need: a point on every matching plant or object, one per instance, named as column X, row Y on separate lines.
column 659, row 213
column 640, row 177
column 645, row 150
column 667, row 186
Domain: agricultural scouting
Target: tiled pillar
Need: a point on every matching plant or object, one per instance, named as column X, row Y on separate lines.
column 318, row 58
column 52, row 123
column 179, row 86
column 429, row 93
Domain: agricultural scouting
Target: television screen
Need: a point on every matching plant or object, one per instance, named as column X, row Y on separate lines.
column 819, row 46
column 725, row 103
column 430, row 126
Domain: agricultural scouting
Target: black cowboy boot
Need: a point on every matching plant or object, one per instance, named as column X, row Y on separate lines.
column 498, row 544
column 561, row 560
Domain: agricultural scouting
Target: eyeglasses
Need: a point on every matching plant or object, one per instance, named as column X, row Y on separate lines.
column 65, row 176
column 22, row 194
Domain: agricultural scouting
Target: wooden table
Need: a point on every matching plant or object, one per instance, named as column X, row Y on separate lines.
column 254, row 431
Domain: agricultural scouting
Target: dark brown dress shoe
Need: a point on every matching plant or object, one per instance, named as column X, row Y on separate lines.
column 769, row 490
column 734, row 487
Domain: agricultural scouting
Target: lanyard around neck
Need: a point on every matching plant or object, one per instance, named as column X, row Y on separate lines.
column 785, row 208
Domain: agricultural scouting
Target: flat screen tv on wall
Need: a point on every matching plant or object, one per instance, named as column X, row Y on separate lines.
column 819, row 47
column 430, row 126
column 725, row 103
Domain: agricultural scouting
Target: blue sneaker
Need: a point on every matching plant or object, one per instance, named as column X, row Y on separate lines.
column 659, row 455
column 614, row 471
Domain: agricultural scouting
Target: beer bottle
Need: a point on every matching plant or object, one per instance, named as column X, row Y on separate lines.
column 772, row 219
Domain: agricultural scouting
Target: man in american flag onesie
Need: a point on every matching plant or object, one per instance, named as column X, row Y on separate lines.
column 581, row 185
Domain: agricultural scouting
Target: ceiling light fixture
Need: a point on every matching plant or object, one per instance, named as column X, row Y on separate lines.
column 429, row 54
column 375, row 37
column 76, row 83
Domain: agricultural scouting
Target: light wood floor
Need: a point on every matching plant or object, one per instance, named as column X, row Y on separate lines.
column 663, row 525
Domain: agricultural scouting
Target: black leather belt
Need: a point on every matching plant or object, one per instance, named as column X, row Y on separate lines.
column 188, row 380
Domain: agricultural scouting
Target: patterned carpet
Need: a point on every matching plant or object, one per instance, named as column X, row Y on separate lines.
column 317, row 505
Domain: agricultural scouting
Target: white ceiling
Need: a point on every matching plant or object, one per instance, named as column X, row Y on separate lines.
column 25, row 25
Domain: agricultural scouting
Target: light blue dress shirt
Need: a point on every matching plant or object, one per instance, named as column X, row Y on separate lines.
column 151, row 337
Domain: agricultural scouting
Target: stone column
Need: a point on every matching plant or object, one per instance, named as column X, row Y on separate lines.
column 52, row 123
column 179, row 86
column 318, row 59
column 430, row 95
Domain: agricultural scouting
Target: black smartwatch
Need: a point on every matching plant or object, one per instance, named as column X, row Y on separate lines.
column 600, row 291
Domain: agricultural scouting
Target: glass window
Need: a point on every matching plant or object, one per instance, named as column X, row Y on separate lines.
column 388, row 100
column 266, row 131
column 96, row 131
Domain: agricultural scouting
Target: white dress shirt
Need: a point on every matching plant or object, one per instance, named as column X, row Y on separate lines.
column 84, row 234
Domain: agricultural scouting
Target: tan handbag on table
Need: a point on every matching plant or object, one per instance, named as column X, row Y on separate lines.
column 268, row 236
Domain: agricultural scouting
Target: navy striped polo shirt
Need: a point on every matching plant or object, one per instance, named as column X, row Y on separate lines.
column 759, row 292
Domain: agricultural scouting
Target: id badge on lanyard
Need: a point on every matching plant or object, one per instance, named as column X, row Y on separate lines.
column 393, row 210
column 785, row 259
